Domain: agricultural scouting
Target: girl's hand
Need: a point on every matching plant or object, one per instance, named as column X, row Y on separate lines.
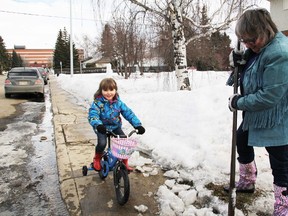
column 140, row 129
column 101, row 129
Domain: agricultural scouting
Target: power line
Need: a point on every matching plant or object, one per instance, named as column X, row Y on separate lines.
column 43, row 15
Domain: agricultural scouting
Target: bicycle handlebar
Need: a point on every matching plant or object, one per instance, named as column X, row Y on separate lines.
column 122, row 136
column 133, row 131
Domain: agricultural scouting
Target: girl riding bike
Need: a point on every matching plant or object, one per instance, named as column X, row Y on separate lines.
column 104, row 114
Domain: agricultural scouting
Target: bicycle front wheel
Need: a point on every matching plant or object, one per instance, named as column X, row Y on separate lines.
column 121, row 183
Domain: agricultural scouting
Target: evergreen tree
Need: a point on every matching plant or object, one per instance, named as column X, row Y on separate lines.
column 76, row 62
column 210, row 52
column 4, row 57
column 16, row 60
column 66, row 49
column 62, row 51
column 221, row 45
column 59, row 51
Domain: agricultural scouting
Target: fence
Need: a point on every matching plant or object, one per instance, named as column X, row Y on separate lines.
column 150, row 69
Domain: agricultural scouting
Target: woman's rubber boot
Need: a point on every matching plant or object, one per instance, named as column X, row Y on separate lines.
column 97, row 161
column 125, row 161
column 281, row 201
column 246, row 183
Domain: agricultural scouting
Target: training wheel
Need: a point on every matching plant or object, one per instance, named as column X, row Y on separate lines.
column 84, row 170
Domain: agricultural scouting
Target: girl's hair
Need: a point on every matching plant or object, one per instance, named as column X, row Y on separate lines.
column 106, row 84
column 256, row 23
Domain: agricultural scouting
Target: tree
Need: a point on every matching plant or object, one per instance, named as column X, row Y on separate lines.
column 4, row 57
column 59, row 51
column 164, row 47
column 130, row 44
column 16, row 60
column 208, row 52
column 62, row 51
column 107, row 45
column 124, row 44
column 176, row 12
column 76, row 62
column 88, row 46
column 221, row 45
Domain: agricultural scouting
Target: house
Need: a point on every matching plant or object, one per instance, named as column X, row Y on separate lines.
column 97, row 62
column 279, row 14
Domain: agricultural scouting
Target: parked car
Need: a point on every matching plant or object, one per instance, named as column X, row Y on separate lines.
column 44, row 74
column 24, row 80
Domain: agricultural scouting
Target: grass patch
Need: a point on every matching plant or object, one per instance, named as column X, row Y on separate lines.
column 242, row 199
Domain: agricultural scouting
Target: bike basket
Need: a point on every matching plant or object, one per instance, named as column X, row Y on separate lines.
column 123, row 148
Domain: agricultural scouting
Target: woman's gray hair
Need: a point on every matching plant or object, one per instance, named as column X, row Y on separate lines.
column 256, row 23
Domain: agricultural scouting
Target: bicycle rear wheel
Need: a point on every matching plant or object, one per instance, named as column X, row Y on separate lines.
column 121, row 183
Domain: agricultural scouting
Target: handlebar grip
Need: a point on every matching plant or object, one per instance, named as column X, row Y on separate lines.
column 122, row 136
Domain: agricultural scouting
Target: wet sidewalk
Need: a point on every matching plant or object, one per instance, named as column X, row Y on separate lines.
column 75, row 141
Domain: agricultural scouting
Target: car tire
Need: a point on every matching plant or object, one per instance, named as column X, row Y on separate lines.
column 41, row 96
column 7, row 95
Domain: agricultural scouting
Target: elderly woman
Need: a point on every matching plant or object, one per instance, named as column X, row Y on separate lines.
column 264, row 102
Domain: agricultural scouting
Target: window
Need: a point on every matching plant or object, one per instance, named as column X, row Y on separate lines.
column 23, row 73
column 285, row 4
column 30, row 73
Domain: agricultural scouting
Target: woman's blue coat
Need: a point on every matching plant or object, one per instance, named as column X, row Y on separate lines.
column 265, row 99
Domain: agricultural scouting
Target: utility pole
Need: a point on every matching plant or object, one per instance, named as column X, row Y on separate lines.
column 71, row 42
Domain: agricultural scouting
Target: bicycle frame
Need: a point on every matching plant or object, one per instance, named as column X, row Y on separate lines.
column 109, row 160
column 120, row 173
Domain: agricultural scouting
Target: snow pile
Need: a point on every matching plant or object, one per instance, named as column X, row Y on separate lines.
column 187, row 132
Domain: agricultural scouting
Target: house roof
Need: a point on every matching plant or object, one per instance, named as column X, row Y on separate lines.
column 103, row 60
column 90, row 61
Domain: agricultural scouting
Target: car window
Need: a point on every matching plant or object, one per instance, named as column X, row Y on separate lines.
column 26, row 73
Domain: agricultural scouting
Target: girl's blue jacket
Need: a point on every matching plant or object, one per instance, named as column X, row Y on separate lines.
column 104, row 112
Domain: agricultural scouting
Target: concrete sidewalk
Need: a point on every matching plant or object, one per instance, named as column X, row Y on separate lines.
column 74, row 144
column 75, row 141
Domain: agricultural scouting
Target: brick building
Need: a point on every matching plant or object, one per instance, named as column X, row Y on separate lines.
column 38, row 57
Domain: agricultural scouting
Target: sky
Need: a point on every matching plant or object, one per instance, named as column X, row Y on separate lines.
column 187, row 132
column 36, row 23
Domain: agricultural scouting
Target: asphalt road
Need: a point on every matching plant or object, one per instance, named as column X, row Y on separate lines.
column 7, row 108
column 29, row 183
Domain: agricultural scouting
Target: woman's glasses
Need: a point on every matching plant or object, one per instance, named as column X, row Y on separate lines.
column 248, row 40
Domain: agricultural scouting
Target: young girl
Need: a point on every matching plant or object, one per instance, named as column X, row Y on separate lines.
column 104, row 114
